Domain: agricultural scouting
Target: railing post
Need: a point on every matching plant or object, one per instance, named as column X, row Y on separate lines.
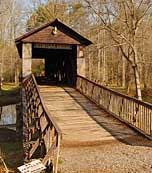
column 119, row 105
column 57, row 155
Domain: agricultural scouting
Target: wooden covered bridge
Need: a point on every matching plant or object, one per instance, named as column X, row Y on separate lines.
column 68, row 110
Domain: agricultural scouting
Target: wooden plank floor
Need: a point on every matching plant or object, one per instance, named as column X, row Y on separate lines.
column 80, row 120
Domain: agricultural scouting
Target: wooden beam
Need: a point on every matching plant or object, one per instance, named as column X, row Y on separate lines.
column 26, row 59
column 34, row 147
column 49, row 154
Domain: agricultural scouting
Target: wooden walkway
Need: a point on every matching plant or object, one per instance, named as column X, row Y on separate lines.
column 80, row 120
column 91, row 139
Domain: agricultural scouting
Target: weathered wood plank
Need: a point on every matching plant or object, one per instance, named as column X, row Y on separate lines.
column 43, row 122
column 80, row 120
column 49, row 154
column 34, row 147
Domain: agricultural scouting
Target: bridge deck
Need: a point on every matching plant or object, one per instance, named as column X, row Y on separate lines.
column 80, row 120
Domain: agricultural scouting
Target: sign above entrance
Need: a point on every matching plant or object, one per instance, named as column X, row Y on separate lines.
column 35, row 166
column 52, row 46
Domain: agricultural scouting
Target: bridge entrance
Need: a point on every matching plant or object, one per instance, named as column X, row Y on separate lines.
column 61, row 68
column 60, row 46
column 60, row 65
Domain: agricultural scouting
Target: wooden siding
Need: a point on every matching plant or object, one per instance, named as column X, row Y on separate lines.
column 46, row 36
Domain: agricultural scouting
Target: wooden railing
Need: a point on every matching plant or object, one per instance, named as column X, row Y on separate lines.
column 3, row 166
column 43, row 132
column 133, row 112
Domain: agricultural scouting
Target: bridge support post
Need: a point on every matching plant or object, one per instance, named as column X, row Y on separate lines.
column 25, row 127
column 26, row 59
column 80, row 61
column 19, row 122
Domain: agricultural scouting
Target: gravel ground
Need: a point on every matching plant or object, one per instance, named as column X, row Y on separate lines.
column 115, row 157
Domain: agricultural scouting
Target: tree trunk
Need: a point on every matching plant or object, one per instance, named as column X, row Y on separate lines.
column 144, row 76
column 137, row 82
column 128, row 77
column 136, row 74
column 16, row 75
column 104, row 66
column 123, row 73
column 103, row 59
column 99, row 57
column 99, row 65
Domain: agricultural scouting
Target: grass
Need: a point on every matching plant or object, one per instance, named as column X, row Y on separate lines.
column 13, row 154
column 119, row 89
column 9, row 86
column 60, row 161
column 146, row 94
column 9, row 94
column 148, row 99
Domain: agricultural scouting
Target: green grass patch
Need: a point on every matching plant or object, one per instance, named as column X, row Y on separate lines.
column 10, row 94
column 119, row 89
column 12, row 154
column 146, row 93
column 124, row 91
column 60, row 161
column 147, row 99
column 9, row 87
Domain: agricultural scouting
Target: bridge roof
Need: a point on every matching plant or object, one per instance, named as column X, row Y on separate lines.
column 44, row 34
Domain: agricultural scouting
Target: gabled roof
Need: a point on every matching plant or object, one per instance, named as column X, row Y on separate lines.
column 43, row 34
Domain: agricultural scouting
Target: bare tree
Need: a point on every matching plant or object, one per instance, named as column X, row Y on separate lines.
column 12, row 24
column 129, row 14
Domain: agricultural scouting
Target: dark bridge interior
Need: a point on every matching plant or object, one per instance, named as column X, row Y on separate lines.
column 60, row 65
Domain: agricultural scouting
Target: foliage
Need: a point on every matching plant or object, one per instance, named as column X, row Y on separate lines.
column 119, row 29
column 9, row 87
column 11, row 26
column 122, row 20
column 38, row 68
column 12, row 150
column 74, row 14
column 46, row 13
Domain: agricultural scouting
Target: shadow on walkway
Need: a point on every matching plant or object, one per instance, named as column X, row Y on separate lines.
column 117, row 129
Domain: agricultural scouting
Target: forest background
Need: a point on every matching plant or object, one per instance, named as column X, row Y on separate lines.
column 121, row 30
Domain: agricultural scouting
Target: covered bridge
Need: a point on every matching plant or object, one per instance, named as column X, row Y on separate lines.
column 61, row 117
column 59, row 45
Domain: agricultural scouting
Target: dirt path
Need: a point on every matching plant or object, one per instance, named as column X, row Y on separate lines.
column 115, row 157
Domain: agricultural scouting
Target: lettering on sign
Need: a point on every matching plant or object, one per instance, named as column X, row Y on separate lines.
column 35, row 166
column 52, row 46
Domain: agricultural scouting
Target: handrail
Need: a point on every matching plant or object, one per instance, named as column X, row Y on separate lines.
column 42, row 129
column 117, row 93
column 133, row 112
column 45, row 108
